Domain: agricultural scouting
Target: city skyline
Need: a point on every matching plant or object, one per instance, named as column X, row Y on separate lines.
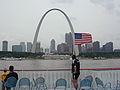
column 19, row 20
column 49, row 45
column 27, row 46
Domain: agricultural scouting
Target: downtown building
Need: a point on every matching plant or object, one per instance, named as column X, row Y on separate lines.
column 37, row 50
column 52, row 46
column 17, row 48
column 86, row 48
column 89, row 47
column 116, row 50
column 29, row 46
column 96, row 46
column 23, row 46
column 83, row 49
column 4, row 45
column 69, row 41
column 108, row 47
column 47, row 51
column 41, row 50
column 62, row 48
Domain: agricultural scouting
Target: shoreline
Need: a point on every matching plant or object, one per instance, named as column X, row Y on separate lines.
column 34, row 59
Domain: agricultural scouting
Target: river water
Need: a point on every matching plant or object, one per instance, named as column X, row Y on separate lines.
column 56, row 64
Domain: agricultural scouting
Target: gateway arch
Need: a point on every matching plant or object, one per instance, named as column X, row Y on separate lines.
column 75, row 48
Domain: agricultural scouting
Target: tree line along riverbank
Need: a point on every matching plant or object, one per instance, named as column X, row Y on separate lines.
column 40, row 55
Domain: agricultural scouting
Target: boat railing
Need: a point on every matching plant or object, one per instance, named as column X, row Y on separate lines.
column 105, row 75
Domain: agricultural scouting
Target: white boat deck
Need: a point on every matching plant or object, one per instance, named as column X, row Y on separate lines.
column 108, row 71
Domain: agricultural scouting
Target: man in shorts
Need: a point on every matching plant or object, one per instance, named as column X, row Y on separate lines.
column 75, row 71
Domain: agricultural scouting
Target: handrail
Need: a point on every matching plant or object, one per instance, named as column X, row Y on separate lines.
column 93, row 69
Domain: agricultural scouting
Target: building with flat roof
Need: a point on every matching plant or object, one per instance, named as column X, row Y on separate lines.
column 4, row 45
column 41, row 49
column 37, row 50
column 52, row 46
column 96, row 46
column 23, row 46
column 108, row 47
column 29, row 46
column 16, row 48
column 63, row 48
column 47, row 51
column 69, row 41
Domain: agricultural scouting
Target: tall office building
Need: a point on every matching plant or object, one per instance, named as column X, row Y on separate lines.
column 63, row 48
column 96, row 46
column 37, row 50
column 29, row 46
column 16, row 48
column 108, row 47
column 23, row 46
column 89, row 47
column 52, row 46
column 5, row 46
column 69, row 41
column 68, row 38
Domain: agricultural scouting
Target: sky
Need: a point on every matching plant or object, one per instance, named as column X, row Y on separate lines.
column 19, row 20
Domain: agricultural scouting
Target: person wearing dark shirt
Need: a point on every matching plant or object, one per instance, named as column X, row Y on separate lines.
column 11, row 74
column 75, row 71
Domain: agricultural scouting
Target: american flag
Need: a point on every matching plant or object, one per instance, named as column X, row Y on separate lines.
column 82, row 38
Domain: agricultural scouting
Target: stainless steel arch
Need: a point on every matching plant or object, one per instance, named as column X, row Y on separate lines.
column 75, row 49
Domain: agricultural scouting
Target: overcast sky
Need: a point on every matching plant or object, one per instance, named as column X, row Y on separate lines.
column 19, row 20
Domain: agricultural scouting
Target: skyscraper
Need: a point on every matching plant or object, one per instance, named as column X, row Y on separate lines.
column 37, row 50
column 108, row 47
column 23, row 46
column 29, row 46
column 68, row 38
column 69, row 41
column 5, row 46
column 52, row 46
column 96, row 46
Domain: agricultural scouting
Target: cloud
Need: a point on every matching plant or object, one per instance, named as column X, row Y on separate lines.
column 61, row 1
column 110, row 5
column 73, row 18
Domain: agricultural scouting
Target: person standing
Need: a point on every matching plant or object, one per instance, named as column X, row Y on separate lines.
column 11, row 74
column 75, row 71
column 3, row 76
